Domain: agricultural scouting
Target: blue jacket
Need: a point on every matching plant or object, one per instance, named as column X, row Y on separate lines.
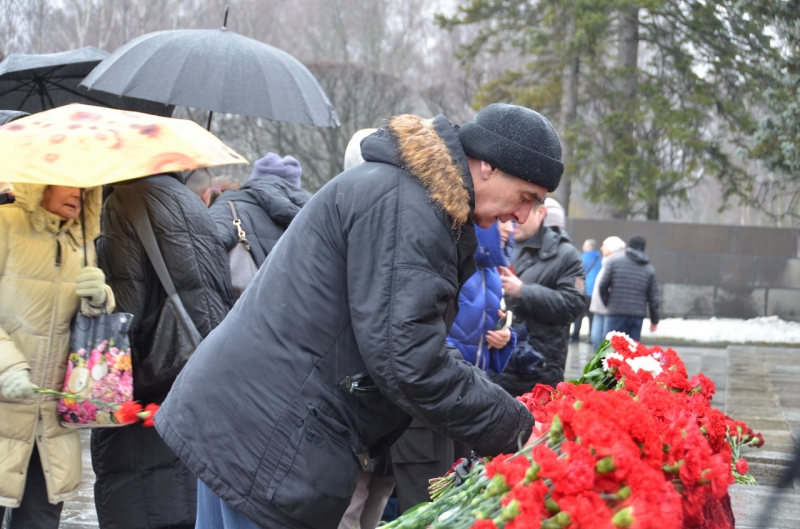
column 592, row 261
column 478, row 304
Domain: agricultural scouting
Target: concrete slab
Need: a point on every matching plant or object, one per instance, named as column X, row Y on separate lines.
column 749, row 502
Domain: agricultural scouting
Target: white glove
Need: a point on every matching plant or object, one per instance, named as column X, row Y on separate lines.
column 91, row 284
column 18, row 386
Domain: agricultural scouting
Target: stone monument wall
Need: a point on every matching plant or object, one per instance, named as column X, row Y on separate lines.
column 709, row 270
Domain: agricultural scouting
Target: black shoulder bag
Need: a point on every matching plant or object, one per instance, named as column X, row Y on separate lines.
column 175, row 336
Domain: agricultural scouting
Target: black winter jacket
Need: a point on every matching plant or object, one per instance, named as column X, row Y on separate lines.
column 340, row 340
column 140, row 482
column 629, row 285
column 549, row 266
column 266, row 205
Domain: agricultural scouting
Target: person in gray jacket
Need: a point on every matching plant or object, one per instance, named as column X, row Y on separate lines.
column 628, row 287
column 339, row 341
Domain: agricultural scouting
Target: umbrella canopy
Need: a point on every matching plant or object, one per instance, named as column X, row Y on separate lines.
column 33, row 83
column 217, row 70
column 87, row 146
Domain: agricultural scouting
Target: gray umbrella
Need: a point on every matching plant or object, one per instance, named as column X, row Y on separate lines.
column 33, row 83
column 216, row 70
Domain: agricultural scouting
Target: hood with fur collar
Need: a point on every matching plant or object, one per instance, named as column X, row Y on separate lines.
column 29, row 198
column 429, row 150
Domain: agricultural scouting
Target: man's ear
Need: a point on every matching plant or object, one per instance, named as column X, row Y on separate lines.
column 486, row 170
column 206, row 197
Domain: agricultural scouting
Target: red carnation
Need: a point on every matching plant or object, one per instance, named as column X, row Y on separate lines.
column 127, row 412
column 151, row 410
column 483, row 524
column 742, row 467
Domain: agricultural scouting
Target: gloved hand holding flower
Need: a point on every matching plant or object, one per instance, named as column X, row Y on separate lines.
column 18, row 385
column 91, row 284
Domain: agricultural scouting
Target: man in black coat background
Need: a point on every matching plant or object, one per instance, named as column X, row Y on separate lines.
column 628, row 287
column 340, row 338
column 140, row 481
column 546, row 294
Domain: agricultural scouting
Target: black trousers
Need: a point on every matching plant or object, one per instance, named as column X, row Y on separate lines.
column 35, row 511
column 419, row 455
column 576, row 330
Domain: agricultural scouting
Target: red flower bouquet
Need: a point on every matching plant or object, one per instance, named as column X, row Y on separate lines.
column 633, row 443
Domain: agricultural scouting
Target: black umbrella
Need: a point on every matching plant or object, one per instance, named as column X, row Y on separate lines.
column 216, row 70
column 33, row 83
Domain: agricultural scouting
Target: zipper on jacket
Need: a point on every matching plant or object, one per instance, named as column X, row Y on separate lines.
column 53, row 317
column 479, row 353
column 358, row 383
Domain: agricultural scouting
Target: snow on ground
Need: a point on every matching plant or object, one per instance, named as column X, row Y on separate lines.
column 769, row 329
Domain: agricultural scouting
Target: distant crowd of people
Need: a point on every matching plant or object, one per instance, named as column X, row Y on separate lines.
column 393, row 318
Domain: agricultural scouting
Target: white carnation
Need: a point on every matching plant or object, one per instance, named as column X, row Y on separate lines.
column 646, row 363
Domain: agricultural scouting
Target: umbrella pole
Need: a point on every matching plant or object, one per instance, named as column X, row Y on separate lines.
column 208, row 126
column 83, row 229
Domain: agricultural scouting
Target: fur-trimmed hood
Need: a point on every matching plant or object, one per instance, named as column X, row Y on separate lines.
column 29, row 198
column 429, row 149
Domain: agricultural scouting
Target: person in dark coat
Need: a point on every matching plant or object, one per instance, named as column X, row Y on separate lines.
column 545, row 294
column 141, row 483
column 266, row 205
column 339, row 341
column 628, row 287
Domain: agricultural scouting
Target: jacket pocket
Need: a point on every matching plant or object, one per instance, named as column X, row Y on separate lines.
column 317, row 472
column 361, row 383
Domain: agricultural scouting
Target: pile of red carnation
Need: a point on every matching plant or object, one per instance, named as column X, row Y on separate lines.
column 633, row 443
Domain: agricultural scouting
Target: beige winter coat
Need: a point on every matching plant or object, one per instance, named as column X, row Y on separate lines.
column 37, row 302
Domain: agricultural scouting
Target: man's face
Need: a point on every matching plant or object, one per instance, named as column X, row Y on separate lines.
column 500, row 196
column 62, row 201
column 531, row 226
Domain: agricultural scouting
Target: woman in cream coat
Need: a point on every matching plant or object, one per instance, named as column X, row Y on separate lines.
column 612, row 248
column 43, row 283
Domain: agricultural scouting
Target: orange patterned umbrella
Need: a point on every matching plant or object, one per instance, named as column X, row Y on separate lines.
column 87, row 146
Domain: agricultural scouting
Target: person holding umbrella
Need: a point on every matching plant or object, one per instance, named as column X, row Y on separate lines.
column 43, row 283
column 41, row 251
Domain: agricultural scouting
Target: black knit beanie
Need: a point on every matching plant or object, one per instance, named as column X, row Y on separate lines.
column 516, row 140
column 637, row 242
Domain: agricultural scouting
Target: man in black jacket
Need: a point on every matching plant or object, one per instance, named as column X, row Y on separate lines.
column 628, row 287
column 546, row 294
column 140, row 481
column 340, row 339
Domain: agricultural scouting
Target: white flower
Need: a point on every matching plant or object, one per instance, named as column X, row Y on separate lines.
column 611, row 355
column 645, row 363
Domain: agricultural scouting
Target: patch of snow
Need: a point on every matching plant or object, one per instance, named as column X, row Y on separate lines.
column 767, row 329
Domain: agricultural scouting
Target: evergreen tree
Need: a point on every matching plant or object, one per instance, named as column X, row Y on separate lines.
column 667, row 84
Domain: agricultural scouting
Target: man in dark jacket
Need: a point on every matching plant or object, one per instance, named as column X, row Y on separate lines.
column 340, row 339
column 140, row 481
column 546, row 295
column 266, row 204
column 628, row 287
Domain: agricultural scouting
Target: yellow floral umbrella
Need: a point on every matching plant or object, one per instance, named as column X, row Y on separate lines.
column 87, row 146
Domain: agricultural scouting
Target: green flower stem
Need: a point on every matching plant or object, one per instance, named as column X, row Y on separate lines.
column 78, row 398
